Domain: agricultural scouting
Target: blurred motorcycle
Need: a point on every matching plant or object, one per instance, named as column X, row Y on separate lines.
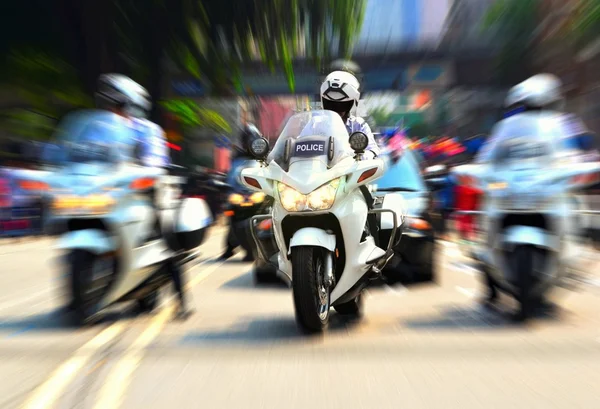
column 528, row 178
column 319, row 214
column 118, row 227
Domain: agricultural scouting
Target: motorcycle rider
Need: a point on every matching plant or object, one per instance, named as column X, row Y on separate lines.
column 340, row 92
column 537, row 93
column 242, row 154
column 147, row 143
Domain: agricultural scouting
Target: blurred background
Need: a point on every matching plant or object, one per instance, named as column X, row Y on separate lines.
column 431, row 67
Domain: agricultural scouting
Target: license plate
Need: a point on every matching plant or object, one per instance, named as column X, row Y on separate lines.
column 524, row 201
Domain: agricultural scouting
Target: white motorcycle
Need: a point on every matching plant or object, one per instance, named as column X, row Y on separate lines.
column 319, row 215
column 529, row 216
column 118, row 229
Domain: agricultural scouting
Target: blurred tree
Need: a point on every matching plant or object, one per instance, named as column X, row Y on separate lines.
column 191, row 115
column 514, row 22
column 380, row 116
column 207, row 38
column 420, row 129
column 211, row 39
column 584, row 23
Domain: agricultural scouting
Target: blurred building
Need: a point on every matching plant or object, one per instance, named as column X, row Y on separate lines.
column 393, row 24
column 473, row 107
column 433, row 16
column 462, row 27
column 273, row 112
column 578, row 69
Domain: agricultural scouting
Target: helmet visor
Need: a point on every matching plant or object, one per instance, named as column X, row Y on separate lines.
column 339, row 107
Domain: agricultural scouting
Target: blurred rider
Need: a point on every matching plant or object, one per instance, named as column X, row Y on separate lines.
column 242, row 154
column 147, row 142
column 340, row 92
column 543, row 92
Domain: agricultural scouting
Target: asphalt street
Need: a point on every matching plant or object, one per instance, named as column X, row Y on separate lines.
column 427, row 346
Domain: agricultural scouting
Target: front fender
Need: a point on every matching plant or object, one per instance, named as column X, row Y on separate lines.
column 526, row 235
column 312, row 236
column 92, row 240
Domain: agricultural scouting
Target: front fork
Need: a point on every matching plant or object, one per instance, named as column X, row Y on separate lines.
column 254, row 222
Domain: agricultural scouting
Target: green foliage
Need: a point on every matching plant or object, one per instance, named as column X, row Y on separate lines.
column 585, row 23
column 380, row 116
column 53, row 53
column 514, row 24
column 190, row 115
column 420, row 129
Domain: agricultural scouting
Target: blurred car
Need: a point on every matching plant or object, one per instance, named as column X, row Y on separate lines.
column 414, row 259
column 22, row 208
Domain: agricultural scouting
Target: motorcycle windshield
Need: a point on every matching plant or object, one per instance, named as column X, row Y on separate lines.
column 313, row 141
column 527, row 140
column 98, row 137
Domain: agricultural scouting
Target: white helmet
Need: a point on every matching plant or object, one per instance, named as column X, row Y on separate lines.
column 117, row 90
column 516, row 94
column 540, row 91
column 340, row 92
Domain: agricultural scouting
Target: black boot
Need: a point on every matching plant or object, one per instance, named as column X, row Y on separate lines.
column 183, row 312
column 492, row 291
column 229, row 252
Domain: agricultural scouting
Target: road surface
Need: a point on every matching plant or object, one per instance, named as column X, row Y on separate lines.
column 428, row 346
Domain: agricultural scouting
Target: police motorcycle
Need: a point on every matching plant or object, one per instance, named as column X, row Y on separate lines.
column 314, row 174
column 528, row 177
column 118, row 224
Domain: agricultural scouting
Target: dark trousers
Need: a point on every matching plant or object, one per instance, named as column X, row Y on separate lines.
column 176, row 275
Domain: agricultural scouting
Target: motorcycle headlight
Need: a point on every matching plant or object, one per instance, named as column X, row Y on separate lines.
column 291, row 199
column 319, row 199
column 257, row 197
column 97, row 204
column 323, row 197
column 235, row 199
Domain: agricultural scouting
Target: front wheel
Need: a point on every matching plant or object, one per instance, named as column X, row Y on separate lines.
column 311, row 293
column 81, row 305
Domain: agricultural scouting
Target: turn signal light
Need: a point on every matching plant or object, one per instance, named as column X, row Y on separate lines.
column 32, row 185
column 142, row 183
column 252, row 182
column 589, row 179
column 419, row 224
column 265, row 225
column 367, row 174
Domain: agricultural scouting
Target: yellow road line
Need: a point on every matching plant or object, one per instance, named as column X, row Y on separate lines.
column 117, row 380
column 50, row 391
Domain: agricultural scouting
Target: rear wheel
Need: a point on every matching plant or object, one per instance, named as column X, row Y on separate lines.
column 523, row 256
column 311, row 294
column 81, row 304
column 351, row 308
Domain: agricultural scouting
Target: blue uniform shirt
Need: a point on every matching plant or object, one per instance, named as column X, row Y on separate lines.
column 151, row 137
